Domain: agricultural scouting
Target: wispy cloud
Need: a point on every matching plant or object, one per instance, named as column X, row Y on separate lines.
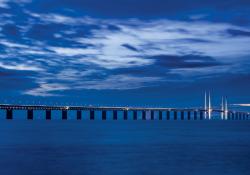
column 20, row 66
column 242, row 105
column 120, row 82
column 61, row 19
column 116, row 82
column 4, row 3
column 47, row 89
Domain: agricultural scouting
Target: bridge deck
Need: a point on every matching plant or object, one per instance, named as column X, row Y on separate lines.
column 101, row 108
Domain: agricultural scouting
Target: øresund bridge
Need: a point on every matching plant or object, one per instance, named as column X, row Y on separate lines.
column 136, row 113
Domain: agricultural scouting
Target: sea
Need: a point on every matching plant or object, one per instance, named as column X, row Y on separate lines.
column 72, row 147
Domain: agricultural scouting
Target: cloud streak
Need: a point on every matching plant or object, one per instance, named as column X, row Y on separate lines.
column 5, row 3
column 242, row 105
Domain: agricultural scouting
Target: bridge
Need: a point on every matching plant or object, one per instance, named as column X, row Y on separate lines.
column 135, row 113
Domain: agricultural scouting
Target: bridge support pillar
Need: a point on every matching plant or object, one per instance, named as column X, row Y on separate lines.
column 168, row 115
column 125, row 115
column 175, row 115
column 30, row 115
column 195, row 115
column 182, row 115
column 229, row 116
column 92, row 114
column 201, row 115
column 152, row 115
column 64, row 114
column 79, row 115
column 135, row 115
column 9, row 114
column 115, row 115
column 189, row 115
column 104, row 115
column 48, row 115
column 143, row 115
column 160, row 115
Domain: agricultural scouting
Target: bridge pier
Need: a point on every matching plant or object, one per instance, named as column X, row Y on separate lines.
column 229, row 116
column 189, row 115
column 48, row 115
column 195, row 115
column 79, row 115
column 9, row 114
column 30, row 115
column 104, row 115
column 168, row 115
column 160, row 115
column 135, row 115
column 152, row 115
column 143, row 115
column 92, row 114
column 115, row 115
column 236, row 116
column 201, row 115
column 232, row 116
column 175, row 115
column 125, row 115
column 182, row 115
column 64, row 114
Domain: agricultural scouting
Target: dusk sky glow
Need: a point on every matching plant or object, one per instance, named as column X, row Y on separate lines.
column 125, row 52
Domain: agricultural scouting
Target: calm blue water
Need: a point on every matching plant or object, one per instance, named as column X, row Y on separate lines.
column 124, row 147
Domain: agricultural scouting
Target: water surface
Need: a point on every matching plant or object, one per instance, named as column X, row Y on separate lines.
column 124, row 147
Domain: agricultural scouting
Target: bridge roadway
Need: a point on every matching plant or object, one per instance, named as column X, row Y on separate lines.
column 198, row 113
column 96, row 108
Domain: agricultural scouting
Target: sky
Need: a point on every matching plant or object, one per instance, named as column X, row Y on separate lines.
column 125, row 52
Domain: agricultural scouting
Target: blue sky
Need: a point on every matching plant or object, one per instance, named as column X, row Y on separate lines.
column 124, row 52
